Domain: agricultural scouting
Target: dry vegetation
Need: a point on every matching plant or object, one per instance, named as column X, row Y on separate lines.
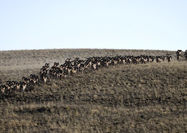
column 124, row 98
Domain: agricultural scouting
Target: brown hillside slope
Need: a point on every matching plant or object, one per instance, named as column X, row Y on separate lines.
column 124, row 98
column 16, row 64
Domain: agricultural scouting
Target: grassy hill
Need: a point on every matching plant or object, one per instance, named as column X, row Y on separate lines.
column 16, row 64
column 124, row 98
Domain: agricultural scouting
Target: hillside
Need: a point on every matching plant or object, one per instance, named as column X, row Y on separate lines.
column 16, row 64
column 124, row 98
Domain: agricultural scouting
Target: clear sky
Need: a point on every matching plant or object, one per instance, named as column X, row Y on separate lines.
column 119, row 24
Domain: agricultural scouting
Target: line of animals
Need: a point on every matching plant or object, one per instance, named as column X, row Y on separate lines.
column 71, row 67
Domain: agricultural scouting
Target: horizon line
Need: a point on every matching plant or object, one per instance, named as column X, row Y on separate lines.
column 4, row 50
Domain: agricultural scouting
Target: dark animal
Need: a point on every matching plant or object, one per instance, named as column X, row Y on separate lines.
column 179, row 54
column 169, row 57
column 185, row 54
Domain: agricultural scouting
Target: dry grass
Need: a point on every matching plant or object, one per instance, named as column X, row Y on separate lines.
column 124, row 98
column 15, row 64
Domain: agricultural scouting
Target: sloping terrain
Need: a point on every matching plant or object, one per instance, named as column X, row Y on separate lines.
column 124, row 98
column 16, row 64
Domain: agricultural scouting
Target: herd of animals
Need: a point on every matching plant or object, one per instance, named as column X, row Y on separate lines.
column 71, row 67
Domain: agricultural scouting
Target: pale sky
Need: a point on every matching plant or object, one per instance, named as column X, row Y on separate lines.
column 119, row 24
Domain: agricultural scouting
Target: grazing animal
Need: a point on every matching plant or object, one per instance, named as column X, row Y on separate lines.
column 94, row 66
column 158, row 59
column 46, row 65
column 185, row 54
column 23, row 86
column 169, row 57
column 2, row 88
column 18, row 86
column 34, row 79
column 56, row 64
column 179, row 54
column 44, row 78
column 26, row 80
